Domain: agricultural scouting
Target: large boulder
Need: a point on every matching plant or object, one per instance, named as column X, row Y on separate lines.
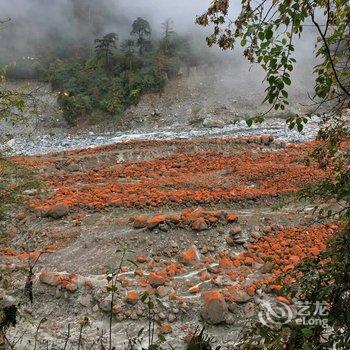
column 58, row 211
column 140, row 221
column 266, row 139
column 239, row 295
column 215, row 309
column 154, row 221
column 190, row 256
column 199, row 224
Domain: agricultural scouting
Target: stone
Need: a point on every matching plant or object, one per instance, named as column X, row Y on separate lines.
column 139, row 311
column 239, row 295
column 204, row 249
column 174, row 218
column 156, row 279
column 239, row 240
column 154, row 221
column 266, row 139
column 132, row 297
column 73, row 167
column 58, row 211
column 11, row 143
column 6, row 300
column 215, row 309
column 85, row 300
column 225, row 263
column 231, row 217
column 190, row 256
column 199, row 225
column 235, row 231
column 267, row 229
column 58, row 292
column 234, row 308
column 71, row 286
column 105, row 304
column 171, row 318
column 255, row 235
column 162, row 316
column 212, row 122
column 195, row 289
column 134, row 316
column 162, row 291
column 140, row 221
column 20, row 215
column 165, row 328
column 230, row 241
column 30, row 192
column 50, row 278
column 141, row 259
column 249, row 309
column 163, row 227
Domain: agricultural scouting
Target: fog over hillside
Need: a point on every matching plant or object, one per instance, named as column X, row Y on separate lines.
column 56, row 27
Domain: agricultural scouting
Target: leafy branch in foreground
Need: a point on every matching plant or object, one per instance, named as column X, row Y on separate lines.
column 267, row 31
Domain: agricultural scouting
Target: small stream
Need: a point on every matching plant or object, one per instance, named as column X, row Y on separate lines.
column 42, row 144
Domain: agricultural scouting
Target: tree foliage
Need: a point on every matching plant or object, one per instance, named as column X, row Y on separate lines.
column 104, row 47
column 267, row 31
column 113, row 79
column 12, row 102
column 142, row 30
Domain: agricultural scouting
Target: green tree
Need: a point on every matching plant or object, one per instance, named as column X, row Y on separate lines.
column 104, row 46
column 128, row 47
column 142, row 29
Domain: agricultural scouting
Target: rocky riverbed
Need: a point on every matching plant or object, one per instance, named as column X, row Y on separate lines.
column 210, row 225
column 45, row 143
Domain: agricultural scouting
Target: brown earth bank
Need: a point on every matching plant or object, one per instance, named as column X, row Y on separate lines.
column 210, row 228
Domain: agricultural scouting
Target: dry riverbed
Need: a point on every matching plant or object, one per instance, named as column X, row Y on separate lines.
column 212, row 224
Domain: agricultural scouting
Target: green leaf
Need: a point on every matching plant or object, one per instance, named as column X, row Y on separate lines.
column 243, row 42
column 268, row 33
column 144, row 296
column 307, row 333
column 161, row 338
column 286, row 80
column 132, row 262
column 249, row 122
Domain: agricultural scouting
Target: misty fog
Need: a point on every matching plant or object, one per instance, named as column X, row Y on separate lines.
column 37, row 24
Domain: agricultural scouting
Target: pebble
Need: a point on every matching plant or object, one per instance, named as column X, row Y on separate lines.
column 171, row 318
column 85, row 300
column 162, row 316
column 105, row 304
